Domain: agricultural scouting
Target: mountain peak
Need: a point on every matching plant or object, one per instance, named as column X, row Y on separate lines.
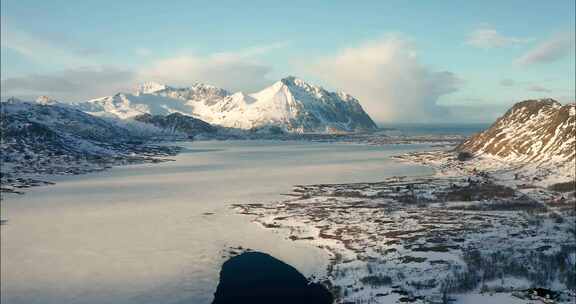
column 533, row 106
column 542, row 102
column 532, row 132
column 294, row 81
column 46, row 100
column 205, row 86
column 149, row 87
column 290, row 103
column 288, row 79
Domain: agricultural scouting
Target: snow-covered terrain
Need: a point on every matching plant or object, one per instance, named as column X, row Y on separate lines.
column 499, row 220
column 49, row 137
column 290, row 104
column 53, row 138
column 537, row 135
column 429, row 240
column 495, row 224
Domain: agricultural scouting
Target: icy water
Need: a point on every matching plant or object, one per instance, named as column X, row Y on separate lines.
column 156, row 233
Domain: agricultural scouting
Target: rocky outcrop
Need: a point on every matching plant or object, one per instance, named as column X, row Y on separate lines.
column 258, row 278
column 178, row 123
column 532, row 131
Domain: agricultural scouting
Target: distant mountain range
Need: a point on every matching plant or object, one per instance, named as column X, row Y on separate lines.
column 290, row 104
column 117, row 128
column 48, row 136
column 533, row 131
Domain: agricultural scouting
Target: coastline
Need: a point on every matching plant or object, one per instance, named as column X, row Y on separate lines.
column 185, row 218
column 378, row 234
column 345, row 205
column 18, row 176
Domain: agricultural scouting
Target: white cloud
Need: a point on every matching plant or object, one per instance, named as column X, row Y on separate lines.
column 538, row 88
column 388, row 79
column 238, row 70
column 489, row 38
column 557, row 47
column 71, row 84
column 250, row 53
column 56, row 48
column 233, row 71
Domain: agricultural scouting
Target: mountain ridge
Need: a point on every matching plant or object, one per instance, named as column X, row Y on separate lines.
column 532, row 132
column 290, row 103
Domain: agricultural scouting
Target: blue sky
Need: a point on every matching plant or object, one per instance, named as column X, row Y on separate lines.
column 424, row 56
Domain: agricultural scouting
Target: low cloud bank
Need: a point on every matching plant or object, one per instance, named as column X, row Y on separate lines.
column 389, row 79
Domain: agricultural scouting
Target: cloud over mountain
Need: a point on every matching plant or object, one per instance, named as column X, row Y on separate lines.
column 70, row 84
column 228, row 72
column 389, row 79
column 238, row 70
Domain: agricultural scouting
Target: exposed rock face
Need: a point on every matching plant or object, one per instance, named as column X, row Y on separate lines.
column 532, row 131
column 177, row 122
column 258, row 278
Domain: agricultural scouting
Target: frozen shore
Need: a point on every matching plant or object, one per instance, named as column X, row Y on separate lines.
column 20, row 171
column 474, row 229
column 36, row 169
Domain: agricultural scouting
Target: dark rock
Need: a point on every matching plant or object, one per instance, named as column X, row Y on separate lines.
column 464, row 156
column 177, row 122
column 543, row 293
column 255, row 277
column 532, row 130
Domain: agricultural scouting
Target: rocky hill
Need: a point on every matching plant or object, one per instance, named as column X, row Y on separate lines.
column 532, row 132
column 53, row 138
column 29, row 124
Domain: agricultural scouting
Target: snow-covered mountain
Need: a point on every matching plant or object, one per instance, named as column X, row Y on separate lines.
column 291, row 104
column 47, row 137
column 23, row 120
column 532, row 132
column 58, row 128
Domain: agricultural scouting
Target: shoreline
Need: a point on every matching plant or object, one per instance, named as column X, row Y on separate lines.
column 367, row 226
column 392, row 195
column 17, row 177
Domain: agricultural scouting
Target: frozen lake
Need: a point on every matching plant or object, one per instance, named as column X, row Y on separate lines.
column 141, row 234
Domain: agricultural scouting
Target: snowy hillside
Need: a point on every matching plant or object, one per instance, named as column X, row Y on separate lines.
column 25, row 121
column 53, row 138
column 531, row 132
column 291, row 104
